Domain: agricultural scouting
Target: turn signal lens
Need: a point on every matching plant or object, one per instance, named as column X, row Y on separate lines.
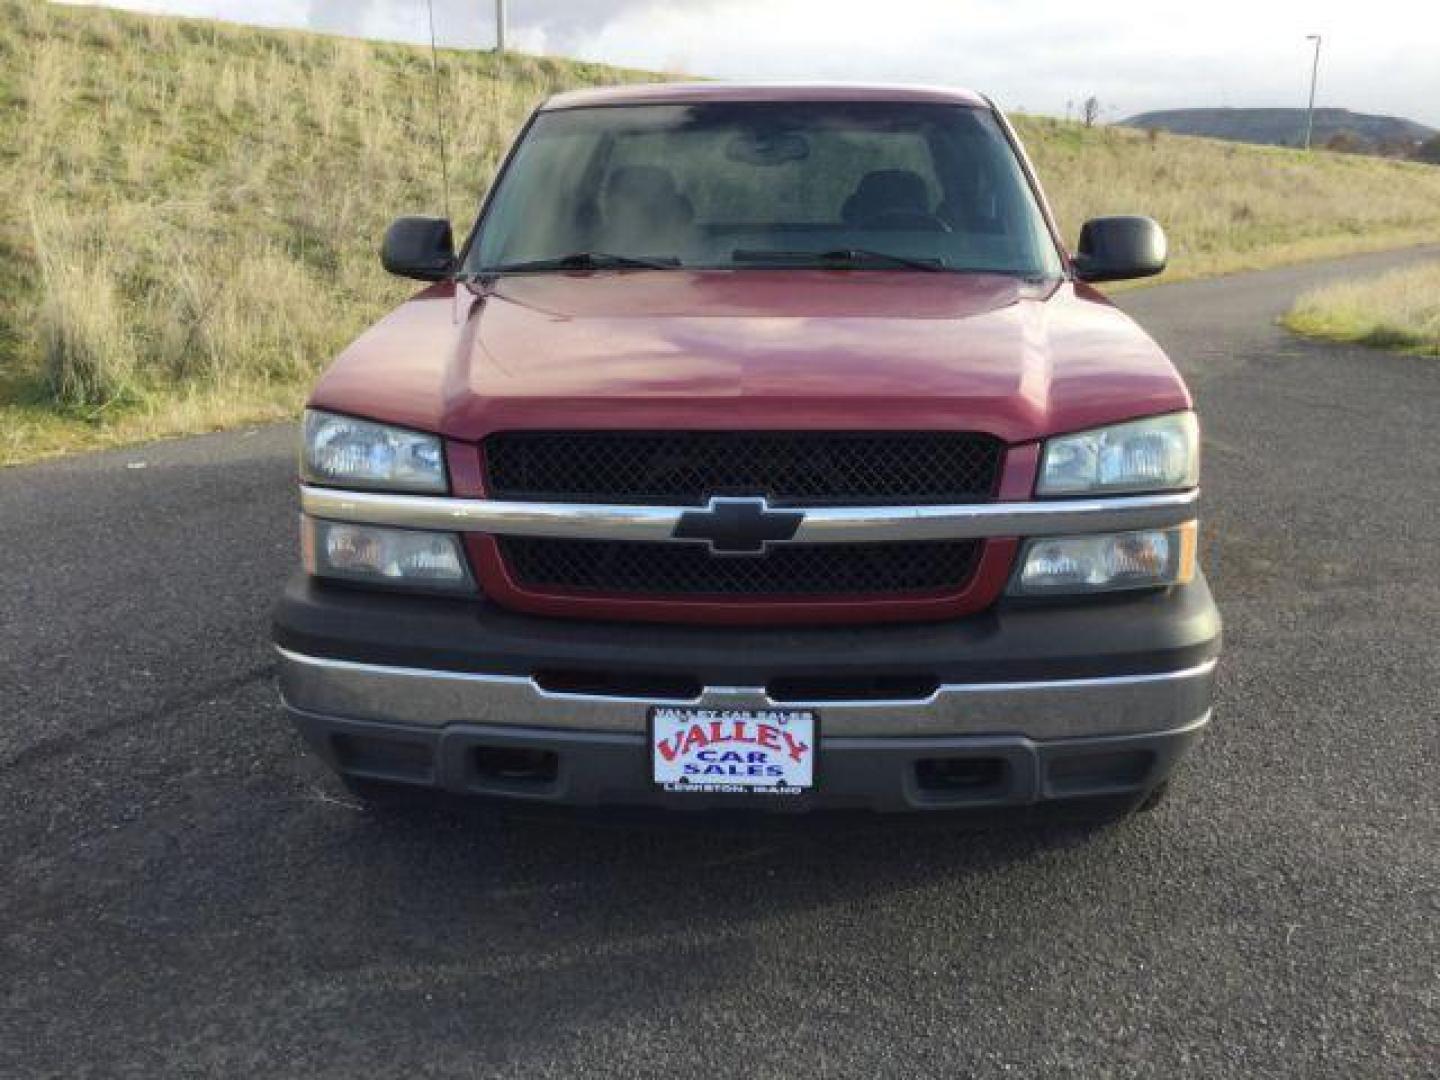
column 1068, row 565
column 403, row 558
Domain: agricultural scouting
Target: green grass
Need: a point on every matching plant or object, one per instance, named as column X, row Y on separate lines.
column 192, row 209
column 1398, row 310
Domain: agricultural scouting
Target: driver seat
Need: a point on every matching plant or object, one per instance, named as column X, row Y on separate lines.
column 643, row 202
column 889, row 198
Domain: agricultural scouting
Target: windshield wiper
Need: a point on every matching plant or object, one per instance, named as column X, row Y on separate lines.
column 839, row 256
column 585, row 260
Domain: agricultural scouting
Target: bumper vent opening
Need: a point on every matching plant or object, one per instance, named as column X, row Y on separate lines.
column 803, row 688
column 967, row 776
column 515, row 766
column 619, row 684
column 962, row 775
column 1080, row 774
column 383, row 758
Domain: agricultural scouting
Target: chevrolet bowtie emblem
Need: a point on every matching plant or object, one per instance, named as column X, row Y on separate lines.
column 738, row 526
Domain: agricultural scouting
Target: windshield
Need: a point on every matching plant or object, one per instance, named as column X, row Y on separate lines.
column 738, row 185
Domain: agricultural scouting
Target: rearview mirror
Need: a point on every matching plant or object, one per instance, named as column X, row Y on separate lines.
column 767, row 147
column 1116, row 248
column 419, row 247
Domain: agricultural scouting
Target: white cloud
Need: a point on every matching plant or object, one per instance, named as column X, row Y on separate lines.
column 1032, row 54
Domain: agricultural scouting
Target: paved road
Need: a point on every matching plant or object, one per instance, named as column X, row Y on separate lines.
column 185, row 891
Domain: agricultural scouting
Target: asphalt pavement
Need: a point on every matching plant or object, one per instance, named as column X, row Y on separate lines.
column 185, row 892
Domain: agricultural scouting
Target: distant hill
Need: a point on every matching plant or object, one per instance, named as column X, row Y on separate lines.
column 1285, row 127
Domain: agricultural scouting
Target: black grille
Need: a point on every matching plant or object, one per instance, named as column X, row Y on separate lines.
column 788, row 468
column 790, row 570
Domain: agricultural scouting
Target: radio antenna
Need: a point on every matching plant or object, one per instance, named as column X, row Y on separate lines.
column 439, row 112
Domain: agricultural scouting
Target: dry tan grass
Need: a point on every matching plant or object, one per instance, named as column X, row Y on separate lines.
column 192, row 209
column 1227, row 206
column 1396, row 310
column 81, row 331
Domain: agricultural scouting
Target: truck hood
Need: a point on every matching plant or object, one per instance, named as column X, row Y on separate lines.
column 754, row 349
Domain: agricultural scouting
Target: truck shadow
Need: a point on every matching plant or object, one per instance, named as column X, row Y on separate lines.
column 493, row 917
column 651, row 859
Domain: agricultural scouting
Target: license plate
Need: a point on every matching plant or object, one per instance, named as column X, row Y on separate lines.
column 734, row 751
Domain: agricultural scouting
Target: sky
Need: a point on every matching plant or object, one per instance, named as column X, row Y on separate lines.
column 1039, row 56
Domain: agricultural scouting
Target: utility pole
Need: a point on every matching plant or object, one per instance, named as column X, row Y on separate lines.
column 1314, row 72
column 499, row 26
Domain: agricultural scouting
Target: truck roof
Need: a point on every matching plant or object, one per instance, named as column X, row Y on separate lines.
column 685, row 93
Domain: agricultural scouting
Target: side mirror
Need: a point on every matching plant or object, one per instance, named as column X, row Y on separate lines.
column 1116, row 248
column 419, row 247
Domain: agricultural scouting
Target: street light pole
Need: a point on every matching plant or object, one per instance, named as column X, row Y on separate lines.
column 1314, row 72
column 499, row 26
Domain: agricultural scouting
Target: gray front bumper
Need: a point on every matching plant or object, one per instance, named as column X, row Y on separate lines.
column 1050, row 709
column 884, row 774
column 1012, row 743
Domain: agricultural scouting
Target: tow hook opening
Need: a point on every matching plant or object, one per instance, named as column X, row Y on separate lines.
column 963, row 775
column 1100, row 772
column 390, row 759
column 515, row 766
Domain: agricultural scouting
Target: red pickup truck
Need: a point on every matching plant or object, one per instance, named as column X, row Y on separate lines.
column 764, row 447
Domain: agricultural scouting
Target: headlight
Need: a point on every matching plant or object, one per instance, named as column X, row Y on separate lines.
column 1159, row 454
column 360, row 454
column 1066, row 565
column 406, row 558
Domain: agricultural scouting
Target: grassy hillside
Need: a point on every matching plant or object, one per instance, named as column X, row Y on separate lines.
column 1228, row 206
column 192, row 210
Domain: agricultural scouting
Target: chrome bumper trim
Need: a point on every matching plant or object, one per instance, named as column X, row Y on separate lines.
column 823, row 525
column 1059, row 708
